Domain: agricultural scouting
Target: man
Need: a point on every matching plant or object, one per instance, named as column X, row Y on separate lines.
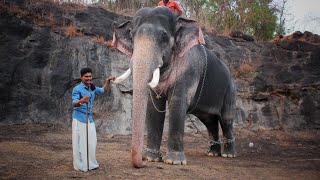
column 84, row 93
column 173, row 5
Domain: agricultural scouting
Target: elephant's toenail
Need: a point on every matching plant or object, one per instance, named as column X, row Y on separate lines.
column 176, row 162
column 169, row 161
column 224, row 155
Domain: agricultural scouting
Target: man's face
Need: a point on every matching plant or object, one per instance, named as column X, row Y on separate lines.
column 86, row 78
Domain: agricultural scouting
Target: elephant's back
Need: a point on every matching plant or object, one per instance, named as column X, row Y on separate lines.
column 204, row 59
column 217, row 68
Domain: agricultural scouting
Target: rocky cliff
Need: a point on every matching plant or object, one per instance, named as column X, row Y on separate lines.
column 43, row 46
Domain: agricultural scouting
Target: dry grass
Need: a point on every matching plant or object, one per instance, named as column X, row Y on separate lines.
column 71, row 30
column 47, row 13
column 99, row 39
column 13, row 9
column 245, row 70
column 108, row 43
column 72, row 7
column 38, row 17
column 52, row 20
column 46, row 20
column 299, row 36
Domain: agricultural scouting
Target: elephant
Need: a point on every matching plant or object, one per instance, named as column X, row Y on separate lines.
column 173, row 73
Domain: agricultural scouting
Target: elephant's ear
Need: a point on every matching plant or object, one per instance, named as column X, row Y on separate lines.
column 122, row 38
column 188, row 34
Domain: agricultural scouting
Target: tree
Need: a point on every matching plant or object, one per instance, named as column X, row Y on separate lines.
column 280, row 29
column 254, row 17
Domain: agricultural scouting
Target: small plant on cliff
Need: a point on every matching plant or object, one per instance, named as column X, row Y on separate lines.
column 71, row 30
column 246, row 70
column 99, row 39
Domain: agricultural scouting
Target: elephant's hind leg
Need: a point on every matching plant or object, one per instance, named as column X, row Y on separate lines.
column 227, row 116
column 229, row 149
column 215, row 144
column 212, row 124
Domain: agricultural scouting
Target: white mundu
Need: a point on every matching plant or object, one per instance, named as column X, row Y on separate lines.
column 79, row 143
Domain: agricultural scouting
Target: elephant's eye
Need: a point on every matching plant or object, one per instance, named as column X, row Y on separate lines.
column 164, row 37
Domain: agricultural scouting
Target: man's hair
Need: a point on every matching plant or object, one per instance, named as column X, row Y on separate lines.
column 85, row 70
column 165, row 1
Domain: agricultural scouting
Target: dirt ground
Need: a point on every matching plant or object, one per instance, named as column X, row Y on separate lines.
column 44, row 151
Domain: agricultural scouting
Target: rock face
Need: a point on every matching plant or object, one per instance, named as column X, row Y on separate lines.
column 40, row 65
column 278, row 82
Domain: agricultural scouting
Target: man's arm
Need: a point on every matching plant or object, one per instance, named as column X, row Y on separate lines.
column 106, row 85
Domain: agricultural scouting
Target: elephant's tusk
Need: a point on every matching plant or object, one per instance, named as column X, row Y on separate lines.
column 123, row 77
column 155, row 79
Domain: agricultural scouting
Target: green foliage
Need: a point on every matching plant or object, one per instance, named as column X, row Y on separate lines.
column 262, row 21
column 253, row 17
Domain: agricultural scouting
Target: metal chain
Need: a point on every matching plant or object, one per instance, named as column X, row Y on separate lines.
column 204, row 78
column 229, row 141
column 198, row 130
column 153, row 151
column 158, row 96
column 174, row 87
column 154, row 105
column 216, row 142
column 212, row 142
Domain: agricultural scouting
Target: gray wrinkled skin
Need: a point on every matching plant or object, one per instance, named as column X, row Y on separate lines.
column 157, row 38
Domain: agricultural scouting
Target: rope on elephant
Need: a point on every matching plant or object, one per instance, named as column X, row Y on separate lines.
column 159, row 95
column 198, row 130
column 211, row 141
column 203, row 80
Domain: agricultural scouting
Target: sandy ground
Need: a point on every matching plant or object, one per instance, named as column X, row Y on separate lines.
column 44, row 151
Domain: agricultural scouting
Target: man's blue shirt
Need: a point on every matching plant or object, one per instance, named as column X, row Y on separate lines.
column 79, row 92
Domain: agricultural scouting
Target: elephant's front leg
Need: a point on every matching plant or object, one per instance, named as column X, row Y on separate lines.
column 177, row 114
column 154, row 125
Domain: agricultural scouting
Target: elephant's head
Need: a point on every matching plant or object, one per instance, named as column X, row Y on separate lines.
column 152, row 40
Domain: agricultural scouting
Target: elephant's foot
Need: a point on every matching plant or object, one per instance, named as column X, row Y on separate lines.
column 215, row 149
column 176, row 158
column 153, row 155
column 229, row 149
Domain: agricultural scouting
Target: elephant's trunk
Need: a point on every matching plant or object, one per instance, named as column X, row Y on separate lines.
column 138, row 121
column 144, row 64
